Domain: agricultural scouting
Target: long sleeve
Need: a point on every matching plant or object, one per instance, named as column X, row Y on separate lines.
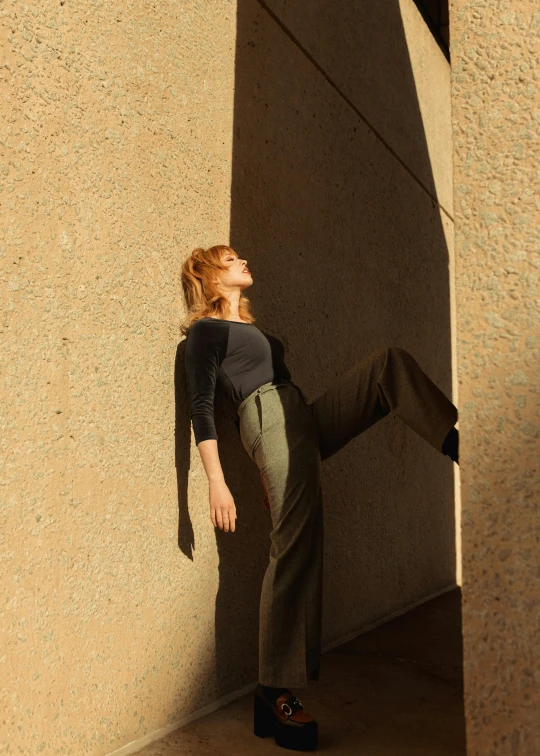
column 206, row 346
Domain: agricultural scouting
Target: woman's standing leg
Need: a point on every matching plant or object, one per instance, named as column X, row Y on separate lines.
column 283, row 441
column 388, row 380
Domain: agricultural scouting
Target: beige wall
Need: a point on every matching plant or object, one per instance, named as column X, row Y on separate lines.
column 496, row 156
column 319, row 146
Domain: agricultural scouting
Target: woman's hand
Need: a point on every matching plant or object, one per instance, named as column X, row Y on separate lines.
column 222, row 506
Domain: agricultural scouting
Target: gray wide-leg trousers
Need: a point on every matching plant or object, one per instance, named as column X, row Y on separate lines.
column 287, row 438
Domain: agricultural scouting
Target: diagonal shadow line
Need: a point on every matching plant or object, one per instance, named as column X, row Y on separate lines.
column 351, row 104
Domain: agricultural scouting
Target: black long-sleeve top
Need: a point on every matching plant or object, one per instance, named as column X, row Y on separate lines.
column 238, row 355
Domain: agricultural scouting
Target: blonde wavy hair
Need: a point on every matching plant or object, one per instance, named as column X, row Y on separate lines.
column 203, row 298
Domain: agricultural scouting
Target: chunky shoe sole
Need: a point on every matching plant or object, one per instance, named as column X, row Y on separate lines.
column 296, row 737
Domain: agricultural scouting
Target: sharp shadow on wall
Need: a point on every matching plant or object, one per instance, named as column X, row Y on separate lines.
column 348, row 254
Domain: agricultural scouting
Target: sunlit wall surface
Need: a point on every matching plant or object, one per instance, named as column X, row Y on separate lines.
column 495, row 105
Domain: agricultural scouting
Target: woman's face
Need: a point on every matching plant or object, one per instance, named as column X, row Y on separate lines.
column 236, row 273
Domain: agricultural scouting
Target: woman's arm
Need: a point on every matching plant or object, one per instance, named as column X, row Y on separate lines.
column 205, row 349
column 210, row 458
column 222, row 506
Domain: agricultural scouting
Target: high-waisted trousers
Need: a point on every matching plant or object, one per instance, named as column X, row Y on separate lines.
column 288, row 438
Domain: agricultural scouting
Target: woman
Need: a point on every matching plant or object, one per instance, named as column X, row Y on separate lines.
column 287, row 438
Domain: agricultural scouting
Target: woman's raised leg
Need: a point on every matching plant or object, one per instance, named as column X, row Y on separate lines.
column 388, row 380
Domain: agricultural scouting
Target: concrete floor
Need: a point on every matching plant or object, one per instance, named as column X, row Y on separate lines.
column 394, row 691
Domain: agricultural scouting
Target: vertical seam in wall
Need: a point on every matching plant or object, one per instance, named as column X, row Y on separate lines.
column 352, row 105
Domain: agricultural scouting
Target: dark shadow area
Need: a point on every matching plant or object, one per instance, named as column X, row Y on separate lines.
column 182, row 452
column 348, row 256
column 400, row 685
column 435, row 14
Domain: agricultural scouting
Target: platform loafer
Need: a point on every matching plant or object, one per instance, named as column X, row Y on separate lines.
column 292, row 726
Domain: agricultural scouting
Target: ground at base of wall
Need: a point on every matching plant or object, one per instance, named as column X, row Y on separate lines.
column 395, row 691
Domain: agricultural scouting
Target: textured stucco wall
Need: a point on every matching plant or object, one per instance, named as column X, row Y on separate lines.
column 116, row 156
column 130, row 134
column 496, row 112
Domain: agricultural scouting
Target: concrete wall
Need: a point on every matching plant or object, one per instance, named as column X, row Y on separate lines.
column 319, row 146
column 496, row 107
